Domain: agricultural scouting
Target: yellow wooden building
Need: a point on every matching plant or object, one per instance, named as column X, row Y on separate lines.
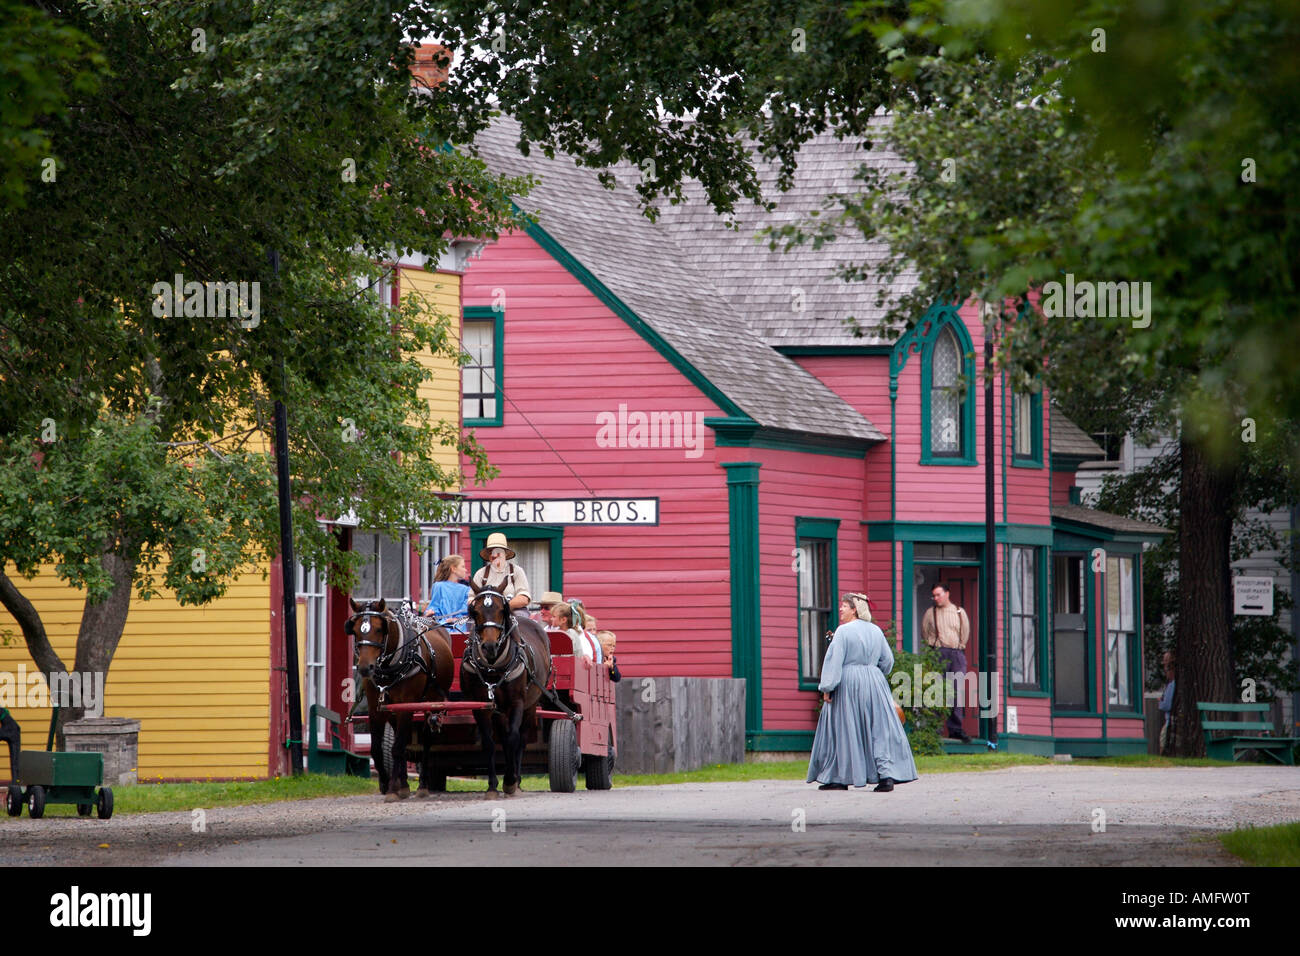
column 202, row 681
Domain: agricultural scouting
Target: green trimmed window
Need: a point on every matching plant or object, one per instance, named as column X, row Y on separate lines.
column 1121, row 633
column 948, row 399
column 482, row 340
column 1027, row 429
column 815, row 563
column 1026, row 634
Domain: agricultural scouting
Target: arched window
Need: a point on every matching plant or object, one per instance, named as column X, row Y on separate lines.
column 946, row 418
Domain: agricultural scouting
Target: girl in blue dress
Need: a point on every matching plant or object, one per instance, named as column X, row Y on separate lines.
column 449, row 596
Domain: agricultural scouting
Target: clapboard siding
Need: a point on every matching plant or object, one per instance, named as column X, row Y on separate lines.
column 197, row 679
column 567, row 359
column 794, row 485
column 440, row 292
column 1029, row 490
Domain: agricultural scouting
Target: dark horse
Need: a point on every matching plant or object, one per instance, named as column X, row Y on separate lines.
column 507, row 663
column 397, row 673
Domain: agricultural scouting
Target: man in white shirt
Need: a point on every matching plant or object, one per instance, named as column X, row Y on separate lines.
column 500, row 573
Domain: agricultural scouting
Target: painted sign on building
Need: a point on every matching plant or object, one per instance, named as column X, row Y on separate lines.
column 558, row 511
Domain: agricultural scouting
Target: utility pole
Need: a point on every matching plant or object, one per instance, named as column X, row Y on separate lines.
column 988, row 656
column 287, row 567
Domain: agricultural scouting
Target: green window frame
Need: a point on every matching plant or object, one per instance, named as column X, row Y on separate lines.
column 1027, row 429
column 482, row 406
column 1027, row 592
column 950, row 334
column 817, row 592
column 478, row 536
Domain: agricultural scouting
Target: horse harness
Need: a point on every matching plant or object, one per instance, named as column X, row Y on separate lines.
column 520, row 660
column 398, row 665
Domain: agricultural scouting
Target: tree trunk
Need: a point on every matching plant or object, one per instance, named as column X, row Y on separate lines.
column 101, row 630
column 38, row 642
column 1203, row 666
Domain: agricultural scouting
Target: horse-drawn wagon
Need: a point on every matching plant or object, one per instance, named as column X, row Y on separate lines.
column 569, row 726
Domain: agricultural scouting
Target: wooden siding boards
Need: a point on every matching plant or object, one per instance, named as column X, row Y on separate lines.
column 195, row 678
column 559, row 376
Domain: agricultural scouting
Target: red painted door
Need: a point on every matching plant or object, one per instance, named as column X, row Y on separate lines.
column 964, row 591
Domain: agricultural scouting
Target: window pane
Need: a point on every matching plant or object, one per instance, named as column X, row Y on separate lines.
column 1112, row 594
column 392, row 563
column 1024, row 425
column 367, row 582
column 944, row 372
column 534, row 556
column 945, row 422
column 1126, row 594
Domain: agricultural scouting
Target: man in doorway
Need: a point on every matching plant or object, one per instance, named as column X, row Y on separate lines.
column 946, row 628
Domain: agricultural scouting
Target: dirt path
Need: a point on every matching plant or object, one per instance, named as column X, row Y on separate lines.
column 1018, row 816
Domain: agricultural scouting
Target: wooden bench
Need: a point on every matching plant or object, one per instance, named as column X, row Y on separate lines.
column 336, row 760
column 1281, row 749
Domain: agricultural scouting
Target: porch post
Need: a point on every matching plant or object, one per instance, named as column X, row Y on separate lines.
column 742, row 514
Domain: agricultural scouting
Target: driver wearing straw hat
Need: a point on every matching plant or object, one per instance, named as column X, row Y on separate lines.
column 500, row 573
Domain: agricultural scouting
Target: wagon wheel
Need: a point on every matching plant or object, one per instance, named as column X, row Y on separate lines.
column 600, row 771
column 14, row 802
column 83, row 809
column 36, row 801
column 104, row 805
column 563, row 756
column 438, row 781
column 389, row 737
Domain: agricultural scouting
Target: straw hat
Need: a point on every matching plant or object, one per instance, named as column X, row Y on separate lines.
column 496, row 540
column 550, row 597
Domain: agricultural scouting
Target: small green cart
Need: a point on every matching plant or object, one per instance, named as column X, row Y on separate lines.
column 50, row 776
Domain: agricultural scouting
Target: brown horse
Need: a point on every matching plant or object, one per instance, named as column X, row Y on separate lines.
column 507, row 663
column 397, row 673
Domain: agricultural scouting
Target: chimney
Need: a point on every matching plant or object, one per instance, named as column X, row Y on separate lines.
column 425, row 70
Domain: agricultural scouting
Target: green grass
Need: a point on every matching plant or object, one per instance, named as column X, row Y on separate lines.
column 1265, row 846
column 1153, row 760
column 163, row 797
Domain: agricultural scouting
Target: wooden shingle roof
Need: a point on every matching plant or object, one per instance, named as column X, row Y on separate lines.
column 642, row 266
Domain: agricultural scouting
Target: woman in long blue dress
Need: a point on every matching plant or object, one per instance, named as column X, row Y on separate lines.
column 860, row 739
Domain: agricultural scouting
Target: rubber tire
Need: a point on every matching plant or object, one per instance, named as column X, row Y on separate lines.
column 104, row 804
column 562, row 756
column 14, row 801
column 36, row 801
column 83, row 809
column 600, row 771
column 439, row 781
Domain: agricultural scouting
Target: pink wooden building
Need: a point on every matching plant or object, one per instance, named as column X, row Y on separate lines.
column 691, row 441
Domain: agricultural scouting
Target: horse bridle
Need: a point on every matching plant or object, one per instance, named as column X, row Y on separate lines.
column 387, row 670
column 477, row 659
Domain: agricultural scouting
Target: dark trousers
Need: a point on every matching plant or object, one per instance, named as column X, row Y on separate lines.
column 954, row 659
column 10, row 734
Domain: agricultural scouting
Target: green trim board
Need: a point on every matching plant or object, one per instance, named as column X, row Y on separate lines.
column 1064, row 527
column 778, row 740
column 958, row 532
column 746, row 645
column 824, row 529
column 1100, row 747
column 478, row 536
column 484, row 313
column 796, row 350
column 744, row 432
column 1033, row 744
column 639, row 325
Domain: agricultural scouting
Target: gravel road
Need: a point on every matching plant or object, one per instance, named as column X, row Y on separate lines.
column 1015, row 816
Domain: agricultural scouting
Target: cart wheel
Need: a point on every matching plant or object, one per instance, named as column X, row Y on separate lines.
column 83, row 809
column 599, row 772
column 563, row 756
column 36, row 801
column 104, row 805
column 14, row 802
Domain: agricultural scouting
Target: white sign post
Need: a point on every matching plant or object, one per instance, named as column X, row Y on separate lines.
column 1252, row 596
